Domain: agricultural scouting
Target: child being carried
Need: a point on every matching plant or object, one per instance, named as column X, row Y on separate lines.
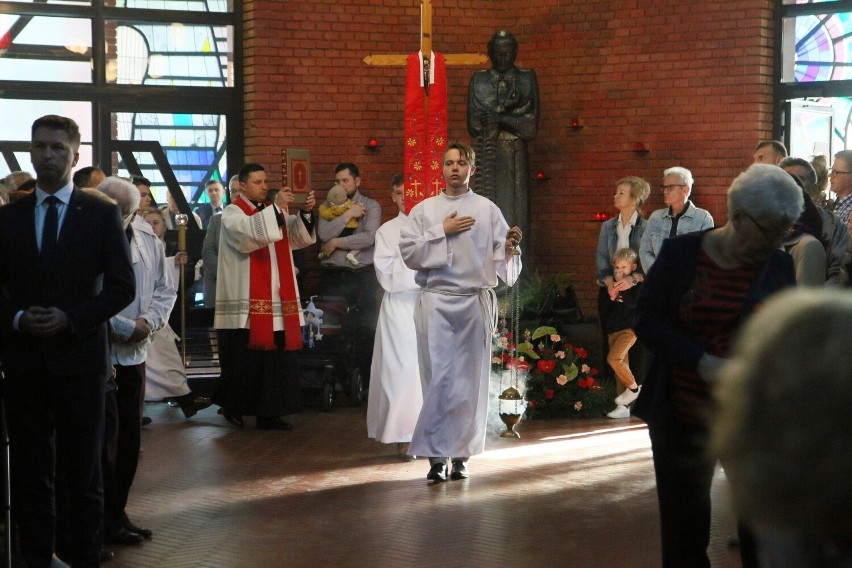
column 336, row 204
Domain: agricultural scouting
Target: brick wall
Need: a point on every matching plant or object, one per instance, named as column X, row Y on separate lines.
column 692, row 81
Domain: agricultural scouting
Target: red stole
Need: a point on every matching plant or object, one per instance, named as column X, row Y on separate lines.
column 425, row 133
column 261, row 333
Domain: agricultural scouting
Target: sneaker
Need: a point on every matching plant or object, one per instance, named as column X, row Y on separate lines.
column 619, row 412
column 627, row 396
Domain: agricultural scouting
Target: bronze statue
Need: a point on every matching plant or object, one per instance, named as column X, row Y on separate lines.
column 502, row 114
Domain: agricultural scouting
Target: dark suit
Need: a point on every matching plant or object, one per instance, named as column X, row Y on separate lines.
column 206, row 212
column 55, row 385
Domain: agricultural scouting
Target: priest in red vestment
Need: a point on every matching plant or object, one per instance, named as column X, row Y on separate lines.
column 258, row 311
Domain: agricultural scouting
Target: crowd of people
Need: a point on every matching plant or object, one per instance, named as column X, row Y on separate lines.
column 698, row 285
column 86, row 334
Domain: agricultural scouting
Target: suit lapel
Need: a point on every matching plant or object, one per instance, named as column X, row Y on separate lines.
column 73, row 216
column 28, row 232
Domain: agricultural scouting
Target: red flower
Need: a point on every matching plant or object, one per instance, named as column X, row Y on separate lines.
column 531, row 404
column 549, row 393
column 546, row 365
column 581, row 352
column 594, row 371
column 583, row 383
column 590, row 383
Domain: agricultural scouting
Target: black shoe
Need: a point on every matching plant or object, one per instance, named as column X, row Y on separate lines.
column 144, row 533
column 122, row 536
column 191, row 407
column 235, row 419
column 459, row 470
column 146, row 421
column 105, row 555
column 272, row 423
column 438, row 473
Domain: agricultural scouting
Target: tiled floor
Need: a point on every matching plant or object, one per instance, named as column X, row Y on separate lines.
column 569, row 493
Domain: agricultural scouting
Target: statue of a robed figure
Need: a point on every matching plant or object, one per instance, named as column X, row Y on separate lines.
column 502, row 114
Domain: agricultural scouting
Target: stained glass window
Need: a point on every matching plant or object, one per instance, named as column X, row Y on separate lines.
column 40, row 48
column 18, row 117
column 194, row 145
column 822, row 48
column 171, row 54
column 179, row 5
column 809, row 125
column 183, row 48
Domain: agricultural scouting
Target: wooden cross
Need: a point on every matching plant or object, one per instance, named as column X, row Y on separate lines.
column 426, row 52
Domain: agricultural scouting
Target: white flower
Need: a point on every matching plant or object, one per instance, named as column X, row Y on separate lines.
column 578, row 406
column 496, row 360
column 502, row 342
column 560, row 354
column 585, row 368
column 555, row 338
column 561, row 380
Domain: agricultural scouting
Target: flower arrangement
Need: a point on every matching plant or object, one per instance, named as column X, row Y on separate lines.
column 559, row 383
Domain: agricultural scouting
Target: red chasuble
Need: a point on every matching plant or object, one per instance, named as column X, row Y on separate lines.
column 261, row 334
column 425, row 129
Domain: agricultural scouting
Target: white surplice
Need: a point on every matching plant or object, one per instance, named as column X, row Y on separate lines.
column 395, row 392
column 241, row 235
column 165, row 374
column 452, row 318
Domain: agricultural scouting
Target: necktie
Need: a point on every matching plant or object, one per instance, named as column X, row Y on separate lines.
column 49, row 230
column 217, row 210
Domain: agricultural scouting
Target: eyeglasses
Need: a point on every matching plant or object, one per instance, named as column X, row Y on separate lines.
column 770, row 236
column 672, row 187
column 833, row 172
column 763, row 230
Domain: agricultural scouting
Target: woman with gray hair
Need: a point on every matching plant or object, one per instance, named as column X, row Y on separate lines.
column 702, row 287
column 775, row 429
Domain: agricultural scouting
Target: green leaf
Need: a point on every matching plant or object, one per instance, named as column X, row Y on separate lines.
column 542, row 331
column 527, row 349
column 570, row 371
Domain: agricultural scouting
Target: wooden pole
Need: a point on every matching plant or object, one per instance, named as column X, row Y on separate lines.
column 181, row 222
column 426, row 51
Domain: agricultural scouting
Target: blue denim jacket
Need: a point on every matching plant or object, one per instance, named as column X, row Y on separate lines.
column 608, row 241
column 660, row 225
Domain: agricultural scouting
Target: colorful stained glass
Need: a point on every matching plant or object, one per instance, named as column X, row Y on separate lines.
column 823, row 47
column 194, row 145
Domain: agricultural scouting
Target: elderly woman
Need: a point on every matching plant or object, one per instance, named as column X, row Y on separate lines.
column 622, row 231
column 702, row 287
column 774, row 429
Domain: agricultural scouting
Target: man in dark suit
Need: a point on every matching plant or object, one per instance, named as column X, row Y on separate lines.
column 64, row 271
column 216, row 194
